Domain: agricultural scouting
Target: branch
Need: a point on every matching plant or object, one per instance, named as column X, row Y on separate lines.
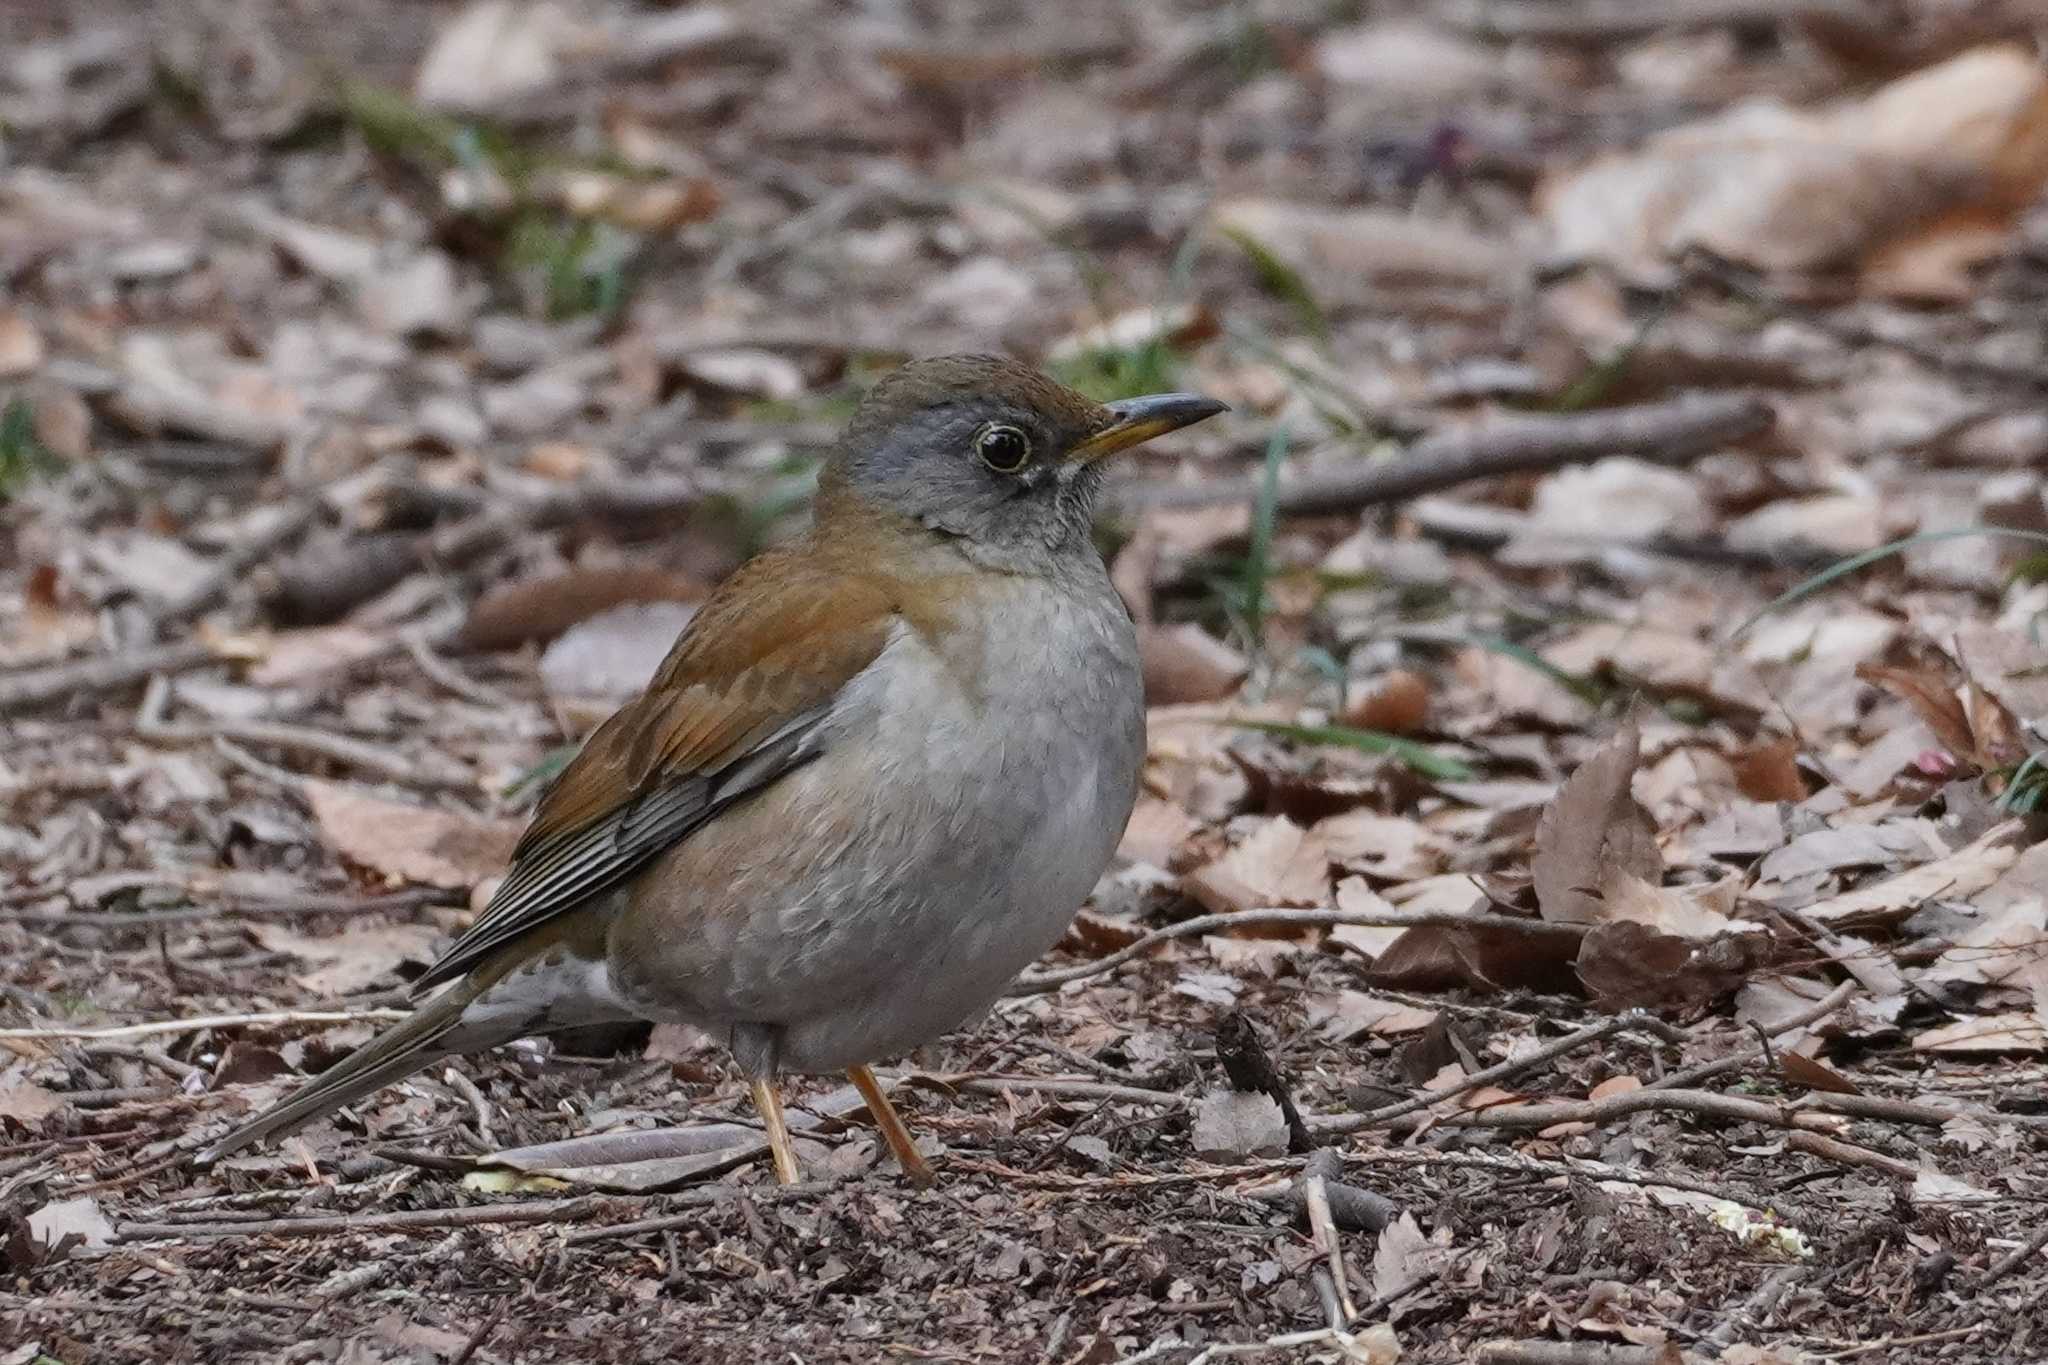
column 1039, row 983
column 409, row 1220
column 1670, row 433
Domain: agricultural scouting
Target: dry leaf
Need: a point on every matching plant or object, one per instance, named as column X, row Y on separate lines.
column 1915, row 183
column 1957, row 877
column 539, row 609
column 71, row 1224
column 27, row 1104
column 1344, row 253
column 1770, row 771
column 360, row 956
column 495, row 50
column 1591, row 832
column 411, row 843
column 1625, row 965
column 1986, row 1033
column 1933, row 699
column 1232, row 1125
column 1396, row 703
column 1278, row 864
column 1184, row 663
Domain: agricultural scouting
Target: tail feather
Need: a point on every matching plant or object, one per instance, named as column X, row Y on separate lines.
column 392, row 1055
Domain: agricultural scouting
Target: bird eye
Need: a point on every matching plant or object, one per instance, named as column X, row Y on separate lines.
column 1002, row 447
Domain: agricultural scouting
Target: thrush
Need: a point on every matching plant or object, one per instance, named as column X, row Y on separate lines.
column 874, row 778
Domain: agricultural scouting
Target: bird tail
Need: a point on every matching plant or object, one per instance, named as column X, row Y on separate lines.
column 436, row 1030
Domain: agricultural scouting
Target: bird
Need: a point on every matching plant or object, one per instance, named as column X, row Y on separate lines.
column 874, row 778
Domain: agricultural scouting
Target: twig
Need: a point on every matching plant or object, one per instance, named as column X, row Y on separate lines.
column 2016, row 1258
column 234, row 563
column 480, row 1106
column 1064, row 1089
column 1567, row 1353
column 312, row 903
column 1568, row 1168
column 1704, row 1103
column 159, row 1026
column 1245, row 1061
column 1849, row 1154
column 1352, row 1207
column 409, row 1220
column 1760, row 1305
column 326, row 582
column 1621, row 20
column 99, row 673
column 696, row 1199
column 1681, row 430
column 449, row 676
column 428, row 769
column 1040, row 982
column 1316, row 1195
column 1571, row 1042
column 1821, row 1009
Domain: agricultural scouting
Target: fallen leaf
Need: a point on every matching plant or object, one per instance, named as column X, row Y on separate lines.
column 1592, row 831
column 1279, row 863
column 1913, row 184
column 1395, row 703
column 1625, row 965
column 71, row 1224
column 355, row 959
column 1770, row 771
column 1232, row 1125
column 411, row 843
column 28, row 1104
column 1957, row 877
column 1986, row 1033
column 1814, row 1075
column 1184, row 663
column 493, row 51
column 613, row 655
column 539, row 609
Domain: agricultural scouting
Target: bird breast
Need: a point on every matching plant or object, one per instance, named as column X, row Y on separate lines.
column 973, row 785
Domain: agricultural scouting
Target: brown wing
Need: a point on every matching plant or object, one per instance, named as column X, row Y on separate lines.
column 734, row 706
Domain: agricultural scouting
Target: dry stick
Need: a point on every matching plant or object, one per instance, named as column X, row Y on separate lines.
column 1706, row 1103
column 1566, row 1353
column 323, row 584
column 98, row 673
column 696, row 1199
column 410, row 1220
column 32, row 1035
column 2016, row 1259
column 1571, row 1042
column 1316, row 1194
column 1040, row 982
column 1601, row 21
column 430, row 769
column 1761, row 1304
column 1849, row 1154
column 1821, row 1009
column 312, row 903
column 1680, row 430
column 234, row 563
column 1569, row 1168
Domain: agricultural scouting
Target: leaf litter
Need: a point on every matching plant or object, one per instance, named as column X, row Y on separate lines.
column 391, row 399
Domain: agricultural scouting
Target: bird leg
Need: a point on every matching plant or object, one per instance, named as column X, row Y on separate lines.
column 768, row 1102
column 892, row 1126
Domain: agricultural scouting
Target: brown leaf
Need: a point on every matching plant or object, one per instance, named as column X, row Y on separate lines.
column 1278, row 864
column 1961, row 874
column 539, row 609
column 1396, row 703
column 411, row 843
column 1770, row 772
column 28, row 1104
column 1933, row 699
column 1591, row 830
column 1814, row 1075
column 1493, row 956
column 358, row 957
column 1185, row 663
column 1625, row 965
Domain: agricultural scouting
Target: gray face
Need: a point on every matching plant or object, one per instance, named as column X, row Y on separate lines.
column 990, row 472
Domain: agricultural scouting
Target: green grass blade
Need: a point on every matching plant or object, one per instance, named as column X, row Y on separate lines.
column 1842, row 568
column 1420, row 757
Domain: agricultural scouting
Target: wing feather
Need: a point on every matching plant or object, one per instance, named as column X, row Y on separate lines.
column 735, row 706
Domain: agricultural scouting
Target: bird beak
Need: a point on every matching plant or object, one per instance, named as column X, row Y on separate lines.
column 1140, row 419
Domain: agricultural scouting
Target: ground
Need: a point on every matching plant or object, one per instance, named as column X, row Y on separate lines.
column 1620, row 870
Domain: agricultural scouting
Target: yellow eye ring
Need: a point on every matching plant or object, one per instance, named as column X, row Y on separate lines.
column 1002, row 447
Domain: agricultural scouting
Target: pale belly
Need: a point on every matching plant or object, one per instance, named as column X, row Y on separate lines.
column 891, row 889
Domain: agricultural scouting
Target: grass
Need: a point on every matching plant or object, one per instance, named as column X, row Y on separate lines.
column 23, row 458
column 1419, row 757
column 1842, row 568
